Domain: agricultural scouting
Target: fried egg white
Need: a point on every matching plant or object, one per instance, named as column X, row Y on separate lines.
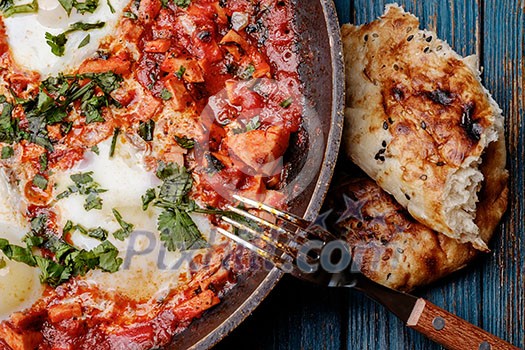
column 19, row 283
column 26, row 35
column 148, row 271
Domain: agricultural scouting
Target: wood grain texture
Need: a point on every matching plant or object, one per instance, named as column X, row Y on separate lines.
column 491, row 292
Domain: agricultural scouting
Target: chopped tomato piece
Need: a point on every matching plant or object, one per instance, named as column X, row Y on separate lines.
column 149, row 9
column 196, row 306
column 179, row 94
column 259, row 149
column 157, row 46
column 116, row 65
column 190, row 69
column 28, row 340
column 62, row 312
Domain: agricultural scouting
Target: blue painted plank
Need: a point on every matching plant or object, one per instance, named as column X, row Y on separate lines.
column 504, row 62
column 491, row 293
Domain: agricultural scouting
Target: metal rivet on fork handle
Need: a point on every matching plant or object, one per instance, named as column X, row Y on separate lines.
column 484, row 346
column 438, row 323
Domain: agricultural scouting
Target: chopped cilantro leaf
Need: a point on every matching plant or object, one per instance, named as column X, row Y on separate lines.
column 180, row 72
column 182, row 3
column 185, row 142
column 7, row 152
column 130, row 15
column 147, row 198
column 3, row 263
column 165, row 94
column 178, row 231
column 42, row 160
column 57, row 43
column 286, row 103
column 125, row 227
column 247, row 72
column 40, row 181
column 85, row 41
column 9, row 9
column 146, row 130
column 95, row 150
column 116, row 132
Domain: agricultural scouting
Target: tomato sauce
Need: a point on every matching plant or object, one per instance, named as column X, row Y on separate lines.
column 231, row 65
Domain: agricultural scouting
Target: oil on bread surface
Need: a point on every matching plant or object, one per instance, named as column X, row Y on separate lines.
column 419, row 122
column 125, row 127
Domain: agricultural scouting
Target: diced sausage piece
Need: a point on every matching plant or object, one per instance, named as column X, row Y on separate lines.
column 157, row 46
column 26, row 340
column 192, row 71
column 116, row 65
column 259, row 149
column 233, row 38
column 147, row 106
column 196, row 306
column 179, row 94
column 60, row 312
column 149, row 9
column 131, row 31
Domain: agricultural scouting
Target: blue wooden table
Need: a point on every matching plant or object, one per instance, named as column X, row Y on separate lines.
column 490, row 293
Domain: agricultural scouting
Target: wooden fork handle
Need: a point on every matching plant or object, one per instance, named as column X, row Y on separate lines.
column 451, row 331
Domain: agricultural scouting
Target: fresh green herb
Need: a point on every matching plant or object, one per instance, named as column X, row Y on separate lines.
column 147, row 198
column 85, row 41
column 125, row 227
column 247, row 72
column 17, row 253
column 93, row 201
column 182, row 3
column 176, row 227
column 68, row 227
column 185, row 142
column 165, row 94
column 42, row 160
column 116, row 132
column 82, row 7
column 3, row 263
column 111, row 8
column 8, row 8
column 286, row 103
column 165, row 3
column 40, row 181
column 97, row 233
column 85, row 186
column 68, row 260
column 253, row 124
column 95, row 150
column 178, row 231
column 146, row 130
column 180, row 72
column 130, row 15
column 58, row 42
column 7, row 152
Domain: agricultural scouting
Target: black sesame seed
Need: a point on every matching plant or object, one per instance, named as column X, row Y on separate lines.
column 385, row 125
column 383, row 144
column 375, row 35
column 396, row 67
column 429, row 39
column 426, row 50
column 366, row 37
column 440, row 163
column 423, row 125
column 407, row 196
column 390, row 120
column 423, row 177
column 410, row 37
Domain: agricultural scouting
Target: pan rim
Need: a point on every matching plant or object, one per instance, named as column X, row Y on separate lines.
column 321, row 188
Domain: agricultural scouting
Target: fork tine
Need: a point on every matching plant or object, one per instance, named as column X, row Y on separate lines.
column 296, row 221
column 262, row 235
column 297, row 238
column 276, row 260
column 293, row 219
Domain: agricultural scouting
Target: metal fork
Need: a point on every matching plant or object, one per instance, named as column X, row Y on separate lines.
column 296, row 246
